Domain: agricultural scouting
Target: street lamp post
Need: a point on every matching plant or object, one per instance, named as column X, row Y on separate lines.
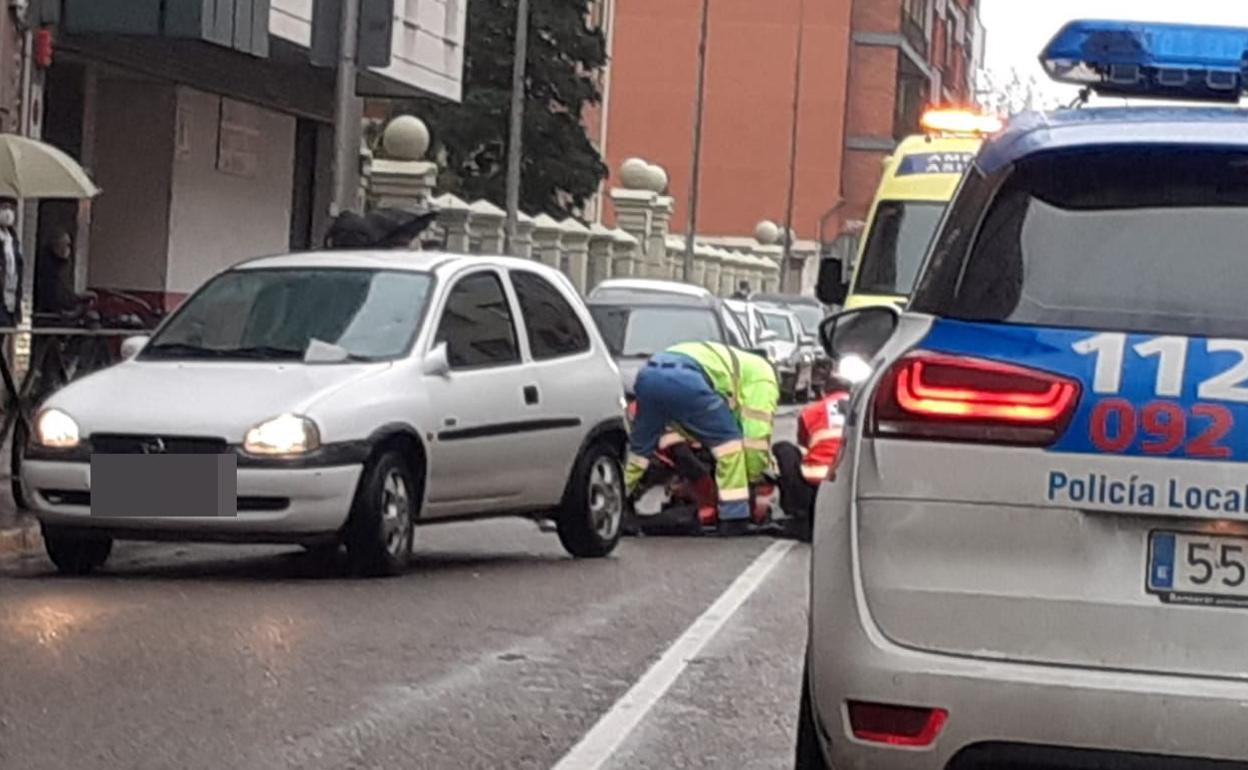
column 348, row 113
column 515, row 141
column 797, row 102
column 695, row 183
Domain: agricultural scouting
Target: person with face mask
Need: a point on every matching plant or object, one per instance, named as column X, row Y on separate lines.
column 54, row 281
column 10, row 263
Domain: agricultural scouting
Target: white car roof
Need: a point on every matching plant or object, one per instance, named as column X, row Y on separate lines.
column 650, row 284
column 392, row 259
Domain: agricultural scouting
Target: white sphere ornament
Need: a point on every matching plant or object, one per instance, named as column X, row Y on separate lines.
column 767, row 232
column 406, row 138
column 635, row 174
column 656, row 178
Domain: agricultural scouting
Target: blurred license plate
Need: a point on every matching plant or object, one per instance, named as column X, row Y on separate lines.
column 1188, row 568
column 162, row 486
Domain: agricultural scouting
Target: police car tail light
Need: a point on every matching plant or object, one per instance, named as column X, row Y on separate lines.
column 936, row 396
column 1179, row 61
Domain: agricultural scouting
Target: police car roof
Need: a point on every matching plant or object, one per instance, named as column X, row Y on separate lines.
column 1036, row 132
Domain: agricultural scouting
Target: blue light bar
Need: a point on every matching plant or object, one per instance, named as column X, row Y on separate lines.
column 1160, row 61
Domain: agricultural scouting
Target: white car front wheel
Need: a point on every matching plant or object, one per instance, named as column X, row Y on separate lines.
column 381, row 528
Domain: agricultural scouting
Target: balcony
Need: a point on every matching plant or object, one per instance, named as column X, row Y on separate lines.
column 240, row 25
column 912, row 31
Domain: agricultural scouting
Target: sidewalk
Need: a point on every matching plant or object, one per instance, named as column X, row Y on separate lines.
column 19, row 532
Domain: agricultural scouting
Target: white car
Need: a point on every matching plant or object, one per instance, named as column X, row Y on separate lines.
column 778, row 334
column 334, row 398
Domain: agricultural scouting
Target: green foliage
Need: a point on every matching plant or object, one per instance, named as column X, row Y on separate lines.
column 561, row 168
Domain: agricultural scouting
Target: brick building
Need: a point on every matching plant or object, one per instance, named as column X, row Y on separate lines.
column 868, row 69
column 905, row 56
column 10, row 72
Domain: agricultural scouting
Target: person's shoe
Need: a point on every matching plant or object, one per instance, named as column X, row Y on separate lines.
column 707, row 514
column 733, row 527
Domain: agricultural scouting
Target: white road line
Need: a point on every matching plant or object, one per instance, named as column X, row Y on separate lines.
column 606, row 737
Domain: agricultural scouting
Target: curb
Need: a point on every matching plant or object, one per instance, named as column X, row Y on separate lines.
column 24, row 537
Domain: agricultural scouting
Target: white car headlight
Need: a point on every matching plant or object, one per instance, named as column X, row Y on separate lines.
column 853, row 369
column 288, row 434
column 56, row 430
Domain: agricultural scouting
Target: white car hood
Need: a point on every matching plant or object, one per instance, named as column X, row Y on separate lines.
column 210, row 399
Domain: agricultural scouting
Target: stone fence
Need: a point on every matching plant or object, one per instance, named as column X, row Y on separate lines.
column 642, row 245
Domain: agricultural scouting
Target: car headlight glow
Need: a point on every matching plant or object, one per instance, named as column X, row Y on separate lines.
column 853, row 369
column 56, row 430
column 288, row 434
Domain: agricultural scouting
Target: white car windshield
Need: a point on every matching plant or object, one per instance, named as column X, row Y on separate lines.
column 297, row 314
column 779, row 324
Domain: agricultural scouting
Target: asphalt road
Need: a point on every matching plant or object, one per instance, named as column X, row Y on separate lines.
column 494, row 650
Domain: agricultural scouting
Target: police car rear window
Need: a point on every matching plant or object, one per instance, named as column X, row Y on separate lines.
column 1137, row 239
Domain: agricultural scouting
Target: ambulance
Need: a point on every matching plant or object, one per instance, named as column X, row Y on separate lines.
column 919, row 180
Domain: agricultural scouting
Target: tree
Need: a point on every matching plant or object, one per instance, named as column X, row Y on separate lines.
column 561, row 168
column 1009, row 93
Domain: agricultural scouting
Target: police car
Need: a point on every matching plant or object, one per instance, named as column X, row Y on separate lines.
column 1034, row 549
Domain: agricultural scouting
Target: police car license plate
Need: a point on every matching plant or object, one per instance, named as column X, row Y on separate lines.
column 1190, row 568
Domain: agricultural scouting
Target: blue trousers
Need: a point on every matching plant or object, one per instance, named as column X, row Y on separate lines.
column 672, row 389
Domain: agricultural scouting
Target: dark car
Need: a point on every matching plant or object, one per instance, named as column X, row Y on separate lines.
column 638, row 324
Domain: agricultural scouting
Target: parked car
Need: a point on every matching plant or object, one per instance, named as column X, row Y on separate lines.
column 341, row 397
column 637, row 320
column 810, row 313
column 776, row 333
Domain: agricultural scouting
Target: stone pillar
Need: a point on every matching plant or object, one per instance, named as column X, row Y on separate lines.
column 702, row 253
column 773, row 254
column 626, row 255
column 547, row 237
column 576, row 253
column 402, row 178
column 487, row 227
column 771, row 276
column 664, row 261
column 633, row 212
column 711, row 269
column 522, row 247
column 806, row 272
column 402, row 184
column 601, row 250
column 453, row 216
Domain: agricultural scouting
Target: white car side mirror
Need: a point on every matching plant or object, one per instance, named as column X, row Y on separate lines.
column 132, row 346
column 767, row 335
column 437, row 363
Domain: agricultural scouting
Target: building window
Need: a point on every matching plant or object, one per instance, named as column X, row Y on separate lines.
column 912, row 95
column 915, row 10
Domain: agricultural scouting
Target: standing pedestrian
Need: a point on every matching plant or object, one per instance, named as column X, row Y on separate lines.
column 11, row 269
column 54, row 280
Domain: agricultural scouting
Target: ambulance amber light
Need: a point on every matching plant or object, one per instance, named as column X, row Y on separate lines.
column 1151, row 60
column 896, row 725
column 930, row 395
column 960, row 122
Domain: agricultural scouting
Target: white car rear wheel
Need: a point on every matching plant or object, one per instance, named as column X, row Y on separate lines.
column 593, row 507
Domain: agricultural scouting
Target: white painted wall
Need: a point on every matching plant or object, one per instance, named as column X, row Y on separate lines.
column 133, row 156
column 428, row 40
column 217, row 219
